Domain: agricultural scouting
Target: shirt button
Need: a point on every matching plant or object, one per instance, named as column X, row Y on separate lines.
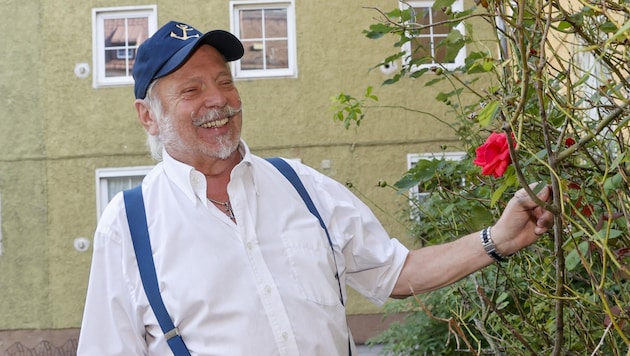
column 267, row 289
column 250, row 245
column 285, row 335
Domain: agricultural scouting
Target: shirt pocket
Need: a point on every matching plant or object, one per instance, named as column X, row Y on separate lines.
column 312, row 264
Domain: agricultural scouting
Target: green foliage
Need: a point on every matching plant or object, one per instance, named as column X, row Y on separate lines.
column 403, row 338
column 350, row 109
column 559, row 89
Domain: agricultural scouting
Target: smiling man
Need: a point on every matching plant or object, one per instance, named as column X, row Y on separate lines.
column 243, row 266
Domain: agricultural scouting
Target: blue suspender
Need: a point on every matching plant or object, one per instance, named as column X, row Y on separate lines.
column 137, row 220
column 290, row 174
column 134, row 205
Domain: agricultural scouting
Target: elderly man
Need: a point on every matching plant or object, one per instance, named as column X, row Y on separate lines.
column 243, row 267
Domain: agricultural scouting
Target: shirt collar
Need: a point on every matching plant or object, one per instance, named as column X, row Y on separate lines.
column 191, row 181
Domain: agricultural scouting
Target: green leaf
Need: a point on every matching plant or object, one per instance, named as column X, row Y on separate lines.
column 498, row 194
column 613, row 183
column 480, row 217
column 564, row 25
column 377, row 31
column 487, row 65
column 604, row 234
column 620, row 158
column 608, row 27
column 442, row 96
column 394, row 13
column 488, row 113
column 440, row 4
column 573, row 258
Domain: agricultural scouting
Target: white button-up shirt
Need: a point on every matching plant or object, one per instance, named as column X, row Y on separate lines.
column 262, row 286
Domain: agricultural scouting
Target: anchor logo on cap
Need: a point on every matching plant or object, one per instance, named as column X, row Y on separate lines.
column 184, row 36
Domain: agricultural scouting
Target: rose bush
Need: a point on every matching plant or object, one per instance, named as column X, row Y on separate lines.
column 560, row 90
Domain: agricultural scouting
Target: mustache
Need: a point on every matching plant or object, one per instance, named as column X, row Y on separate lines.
column 215, row 114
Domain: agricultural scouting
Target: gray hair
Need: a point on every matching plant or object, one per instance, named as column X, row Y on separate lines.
column 155, row 106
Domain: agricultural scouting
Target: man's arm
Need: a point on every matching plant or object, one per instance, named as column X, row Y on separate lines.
column 433, row 267
column 111, row 324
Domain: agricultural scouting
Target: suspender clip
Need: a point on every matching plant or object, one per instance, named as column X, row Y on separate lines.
column 172, row 333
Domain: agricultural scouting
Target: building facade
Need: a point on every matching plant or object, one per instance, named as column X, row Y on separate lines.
column 69, row 137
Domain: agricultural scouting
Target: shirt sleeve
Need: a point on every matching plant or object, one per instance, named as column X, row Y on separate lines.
column 111, row 325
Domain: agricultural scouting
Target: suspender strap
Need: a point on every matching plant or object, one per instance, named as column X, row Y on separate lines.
column 289, row 173
column 292, row 177
column 136, row 217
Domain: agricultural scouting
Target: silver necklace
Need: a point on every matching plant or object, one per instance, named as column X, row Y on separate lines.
column 227, row 207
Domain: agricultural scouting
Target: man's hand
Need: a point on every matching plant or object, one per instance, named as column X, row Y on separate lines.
column 522, row 221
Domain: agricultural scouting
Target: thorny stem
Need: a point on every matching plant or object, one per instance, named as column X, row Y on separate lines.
column 555, row 184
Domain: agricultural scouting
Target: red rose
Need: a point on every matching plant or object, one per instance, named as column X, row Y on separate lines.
column 570, row 141
column 493, row 156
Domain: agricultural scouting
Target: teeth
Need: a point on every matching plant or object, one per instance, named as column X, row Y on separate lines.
column 215, row 123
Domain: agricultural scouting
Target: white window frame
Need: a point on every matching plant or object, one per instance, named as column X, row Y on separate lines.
column 459, row 61
column 289, row 5
column 98, row 50
column 412, row 160
column 102, row 176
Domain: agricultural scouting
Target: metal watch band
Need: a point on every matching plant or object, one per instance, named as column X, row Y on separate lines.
column 490, row 247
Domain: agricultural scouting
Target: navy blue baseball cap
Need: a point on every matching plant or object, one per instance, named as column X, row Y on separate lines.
column 171, row 46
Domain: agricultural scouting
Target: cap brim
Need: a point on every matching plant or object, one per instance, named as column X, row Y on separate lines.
column 226, row 43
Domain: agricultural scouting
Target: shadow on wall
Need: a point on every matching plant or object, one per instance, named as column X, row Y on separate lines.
column 44, row 348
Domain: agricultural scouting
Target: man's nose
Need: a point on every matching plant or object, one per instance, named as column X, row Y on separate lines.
column 213, row 96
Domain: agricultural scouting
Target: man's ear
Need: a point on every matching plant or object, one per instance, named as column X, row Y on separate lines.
column 146, row 117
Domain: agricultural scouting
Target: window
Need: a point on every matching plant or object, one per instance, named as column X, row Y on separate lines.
column 416, row 194
column 116, row 35
column 424, row 46
column 110, row 181
column 267, row 30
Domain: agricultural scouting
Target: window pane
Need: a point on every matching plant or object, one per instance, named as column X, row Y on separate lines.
column 422, row 15
column 276, row 23
column 440, row 51
column 421, row 48
column 114, row 67
column 277, row 54
column 438, row 16
column 254, row 55
column 118, row 184
column 251, row 24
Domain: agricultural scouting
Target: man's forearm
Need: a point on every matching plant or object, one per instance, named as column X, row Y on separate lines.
column 434, row 267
